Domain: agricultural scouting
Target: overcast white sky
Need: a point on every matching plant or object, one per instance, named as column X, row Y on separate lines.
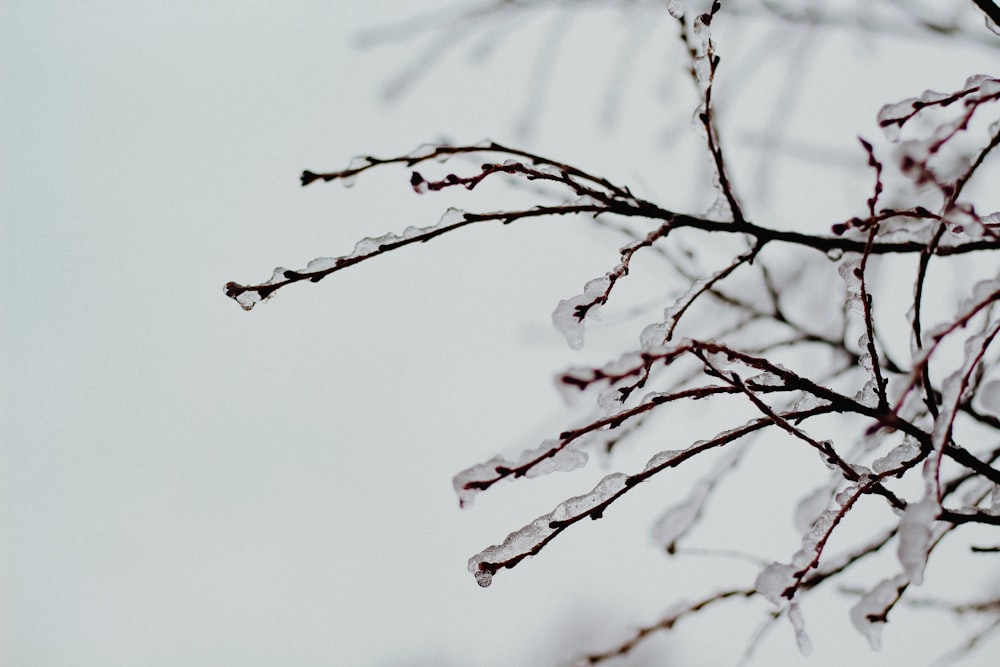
column 184, row 483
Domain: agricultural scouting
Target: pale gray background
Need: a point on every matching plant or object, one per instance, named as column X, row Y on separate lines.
column 184, row 483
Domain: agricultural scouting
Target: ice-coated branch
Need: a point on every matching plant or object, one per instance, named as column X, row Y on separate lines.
column 870, row 354
column 569, row 315
column 976, row 91
column 659, row 334
column 249, row 296
column 532, row 538
column 441, row 152
column 677, row 614
column 826, row 448
column 484, row 475
column 704, row 65
column 985, row 295
column 761, row 322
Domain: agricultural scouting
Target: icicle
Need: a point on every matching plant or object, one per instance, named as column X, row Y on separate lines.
column 574, row 507
column 799, row 625
column 915, row 537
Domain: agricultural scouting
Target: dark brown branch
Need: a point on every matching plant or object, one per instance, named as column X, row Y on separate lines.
column 666, row 623
column 631, row 481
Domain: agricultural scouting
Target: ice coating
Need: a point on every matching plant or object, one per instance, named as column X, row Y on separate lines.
column 821, row 526
column 653, row 335
column 578, row 505
column 702, row 65
column 868, row 394
column 915, row 537
column 864, row 356
column 424, row 151
column 480, row 471
column 847, row 495
column 982, row 292
column 675, row 8
column 976, row 80
column 610, row 400
column 932, row 96
column 867, row 615
column 720, row 210
column 810, row 506
column 551, row 456
column 915, row 153
column 321, row 264
column 248, row 299
column 316, row 269
column 850, row 272
column 517, row 543
column 569, row 315
column 661, row 459
column 766, row 379
column 829, row 462
column 954, row 388
column 900, row 454
column 531, row 537
column 890, row 116
column 625, row 366
column 989, row 88
column 657, row 334
column 808, row 401
column 565, row 460
column 359, row 162
column 778, row 577
column 774, row 580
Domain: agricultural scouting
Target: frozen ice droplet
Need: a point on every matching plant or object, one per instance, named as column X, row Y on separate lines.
column 484, row 578
column 675, row 8
column 915, row 537
column 834, row 254
column 248, row 299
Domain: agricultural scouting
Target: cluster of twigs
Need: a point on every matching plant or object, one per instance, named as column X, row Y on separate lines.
column 915, row 418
